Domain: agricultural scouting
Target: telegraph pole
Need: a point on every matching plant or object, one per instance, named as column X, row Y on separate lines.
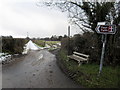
column 68, row 31
column 27, row 34
column 0, row 43
column 68, row 40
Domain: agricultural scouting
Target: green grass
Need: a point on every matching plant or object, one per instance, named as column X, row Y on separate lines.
column 26, row 41
column 87, row 74
column 52, row 42
column 108, row 79
column 40, row 43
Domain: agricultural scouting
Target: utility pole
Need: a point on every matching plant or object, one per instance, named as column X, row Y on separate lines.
column 68, row 40
column 68, row 31
column 27, row 34
column 0, row 43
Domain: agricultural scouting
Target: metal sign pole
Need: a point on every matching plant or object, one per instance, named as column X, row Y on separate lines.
column 103, row 52
column 104, row 28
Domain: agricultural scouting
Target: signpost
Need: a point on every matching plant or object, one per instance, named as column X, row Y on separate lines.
column 104, row 30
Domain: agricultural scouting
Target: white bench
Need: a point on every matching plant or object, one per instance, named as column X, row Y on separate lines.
column 79, row 57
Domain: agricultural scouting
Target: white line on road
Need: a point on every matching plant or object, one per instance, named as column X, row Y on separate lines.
column 41, row 56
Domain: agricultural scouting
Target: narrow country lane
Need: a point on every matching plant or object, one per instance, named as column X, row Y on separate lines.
column 38, row 69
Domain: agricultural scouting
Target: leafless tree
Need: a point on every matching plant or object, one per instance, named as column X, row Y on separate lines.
column 82, row 13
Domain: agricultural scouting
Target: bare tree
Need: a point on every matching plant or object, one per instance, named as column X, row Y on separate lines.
column 81, row 13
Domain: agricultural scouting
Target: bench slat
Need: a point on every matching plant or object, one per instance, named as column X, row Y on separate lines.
column 81, row 54
column 80, row 58
column 77, row 58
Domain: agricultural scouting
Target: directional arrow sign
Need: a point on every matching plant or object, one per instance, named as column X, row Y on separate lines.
column 106, row 29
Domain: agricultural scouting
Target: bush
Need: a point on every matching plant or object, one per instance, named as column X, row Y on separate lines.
column 12, row 45
column 90, row 43
column 86, row 43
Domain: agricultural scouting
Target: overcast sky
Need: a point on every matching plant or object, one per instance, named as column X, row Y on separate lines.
column 17, row 17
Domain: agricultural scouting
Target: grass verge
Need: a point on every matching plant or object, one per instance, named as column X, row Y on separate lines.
column 52, row 42
column 87, row 74
column 40, row 43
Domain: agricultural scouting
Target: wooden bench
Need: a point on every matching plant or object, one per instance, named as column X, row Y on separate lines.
column 79, row 57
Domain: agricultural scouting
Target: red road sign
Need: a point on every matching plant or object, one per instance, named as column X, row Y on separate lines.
column 106, row 29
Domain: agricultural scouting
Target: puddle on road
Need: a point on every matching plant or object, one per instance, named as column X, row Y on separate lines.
column 34, row 74
column 50, row 75
column 37, row 70
column 8, row 79
column 51, row 71
column 50, row 81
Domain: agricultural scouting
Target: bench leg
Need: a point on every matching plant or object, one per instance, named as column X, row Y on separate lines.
column 79, row 63
column 67, row 60
column 87, row 61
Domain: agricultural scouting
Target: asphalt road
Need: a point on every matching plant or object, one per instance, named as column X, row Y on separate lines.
column 38, row 69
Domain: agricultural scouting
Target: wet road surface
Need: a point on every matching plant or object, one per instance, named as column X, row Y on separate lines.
column 38, row 69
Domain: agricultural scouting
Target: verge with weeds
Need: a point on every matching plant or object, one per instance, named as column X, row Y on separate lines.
column 87, row 74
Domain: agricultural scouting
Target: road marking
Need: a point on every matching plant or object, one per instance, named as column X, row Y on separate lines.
column 37, row 61
column 41, row 56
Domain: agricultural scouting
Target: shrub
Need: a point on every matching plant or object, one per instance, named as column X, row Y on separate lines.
column 90, row 43
column 12, row 45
